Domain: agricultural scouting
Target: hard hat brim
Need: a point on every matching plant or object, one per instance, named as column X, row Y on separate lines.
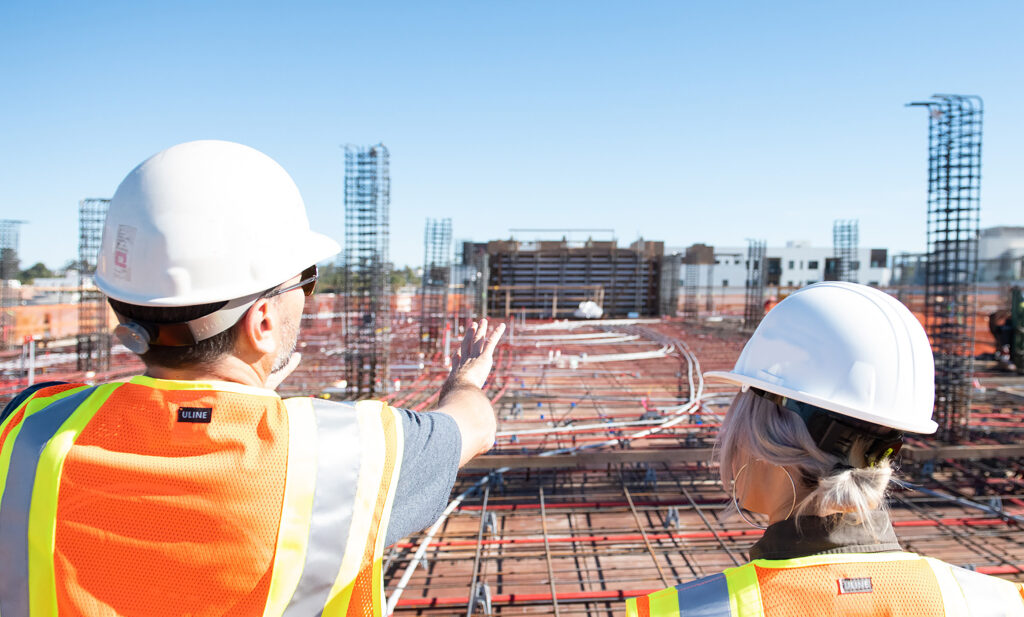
column 925, row 428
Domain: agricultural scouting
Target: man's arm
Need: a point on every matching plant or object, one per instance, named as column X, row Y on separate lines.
column 461, row 395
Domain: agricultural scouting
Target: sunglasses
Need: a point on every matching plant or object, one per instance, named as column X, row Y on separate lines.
column 307, row 282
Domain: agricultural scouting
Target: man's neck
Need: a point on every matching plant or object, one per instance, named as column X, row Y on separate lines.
column 228, row 368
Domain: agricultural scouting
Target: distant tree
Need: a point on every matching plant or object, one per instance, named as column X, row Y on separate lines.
column 403, row 277
column 36, row 271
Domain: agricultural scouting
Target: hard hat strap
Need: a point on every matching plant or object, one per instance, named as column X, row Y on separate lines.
column 183, row 334
column 837, row 434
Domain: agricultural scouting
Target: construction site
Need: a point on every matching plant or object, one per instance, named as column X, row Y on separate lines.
column 602, row 483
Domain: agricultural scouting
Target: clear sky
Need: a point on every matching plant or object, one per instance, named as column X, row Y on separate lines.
column 680, row 121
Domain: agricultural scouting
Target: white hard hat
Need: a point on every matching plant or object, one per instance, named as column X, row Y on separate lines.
column 205, row 221
column 846, row 348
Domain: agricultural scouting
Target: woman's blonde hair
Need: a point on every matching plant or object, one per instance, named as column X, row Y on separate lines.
column 756, row 428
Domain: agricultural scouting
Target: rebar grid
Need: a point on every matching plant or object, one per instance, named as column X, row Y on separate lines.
column 690, row 285
column 8, row 272
column 954, row 194
column 668, row 294
column 93, row 341
column 366, row 299
column 844, row 246
column 753, row 309
column 437, row 242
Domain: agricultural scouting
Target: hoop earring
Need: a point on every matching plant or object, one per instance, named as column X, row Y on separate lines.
column 793, row 486
column 736, row 502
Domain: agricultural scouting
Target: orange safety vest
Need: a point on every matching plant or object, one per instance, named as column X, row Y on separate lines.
column 865, row 584
column 158, row 498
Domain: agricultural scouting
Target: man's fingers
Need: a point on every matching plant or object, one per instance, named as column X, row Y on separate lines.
column 480, row 338
column 492, row 341
column 467, row 340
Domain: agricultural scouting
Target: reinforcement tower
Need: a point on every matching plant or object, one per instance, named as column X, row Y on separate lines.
column 92, row 346
column 754, row 306
column 366, row 299
column 8, row 272
column 844, row 246
column 951, row 269
column 437, row 265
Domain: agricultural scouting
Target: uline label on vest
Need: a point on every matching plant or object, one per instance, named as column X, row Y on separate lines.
column 855, row 585
column 195, row 414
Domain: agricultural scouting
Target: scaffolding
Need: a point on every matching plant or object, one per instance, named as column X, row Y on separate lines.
column 954, row 187
column 437, row 248
column 92, row 345
column 754, row 305
column 366, row 271
column 8, row 272
column 844, row 246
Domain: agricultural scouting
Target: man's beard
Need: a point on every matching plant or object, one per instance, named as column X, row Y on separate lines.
column 289, row 339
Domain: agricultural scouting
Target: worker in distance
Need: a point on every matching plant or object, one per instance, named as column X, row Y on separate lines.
column 194, row 489
column 830, row 381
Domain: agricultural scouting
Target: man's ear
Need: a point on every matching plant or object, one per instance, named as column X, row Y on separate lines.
column 258, row 327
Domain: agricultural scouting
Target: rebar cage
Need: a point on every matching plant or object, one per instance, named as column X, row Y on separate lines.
column 92, row 345
column 366, row 270
column 754, row 306
column 954, row 193
column 437, row 249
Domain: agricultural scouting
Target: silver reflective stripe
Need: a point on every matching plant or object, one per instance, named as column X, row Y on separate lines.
column 338, row 452
column 705, row 597
column 986, row 596
column 36, row 432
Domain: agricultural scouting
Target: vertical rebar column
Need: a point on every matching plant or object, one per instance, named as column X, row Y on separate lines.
column 93, row 341
column 709, row 301
column 690, row 284
column 844, row 248
column 437, row 248
column 754, row 307
column 366, row 271
column 669, row 286
column 954, row 196
column 8, row 272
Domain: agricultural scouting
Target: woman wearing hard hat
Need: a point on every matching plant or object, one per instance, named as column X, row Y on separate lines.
column 831, row 380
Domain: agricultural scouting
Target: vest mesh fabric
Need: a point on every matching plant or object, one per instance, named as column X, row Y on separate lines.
column 160, row 517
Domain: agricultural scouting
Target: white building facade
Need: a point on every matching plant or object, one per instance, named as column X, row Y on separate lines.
column 789, row 267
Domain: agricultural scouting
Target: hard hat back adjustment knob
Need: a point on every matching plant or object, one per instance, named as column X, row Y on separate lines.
column 134, row 336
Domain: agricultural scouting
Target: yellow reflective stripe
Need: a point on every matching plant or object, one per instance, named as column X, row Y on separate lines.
column 824, row 560
column 42, row 517
column 631, row 610
column 744, row 591
column 664, row 602
column 32, row 405
column 219, row 386
column 952, row 595
column 385, row 519
column 372, row 416
column 297, row 506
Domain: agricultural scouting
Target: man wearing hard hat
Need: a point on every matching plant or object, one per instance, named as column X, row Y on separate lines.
column 195, row 489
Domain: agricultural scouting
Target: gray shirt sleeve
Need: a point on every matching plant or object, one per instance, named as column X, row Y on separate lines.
column 429, row 463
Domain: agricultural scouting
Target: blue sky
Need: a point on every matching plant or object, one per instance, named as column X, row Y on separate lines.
column 680, row 121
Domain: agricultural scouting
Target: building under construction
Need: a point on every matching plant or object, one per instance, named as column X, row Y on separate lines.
column 550, row 279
